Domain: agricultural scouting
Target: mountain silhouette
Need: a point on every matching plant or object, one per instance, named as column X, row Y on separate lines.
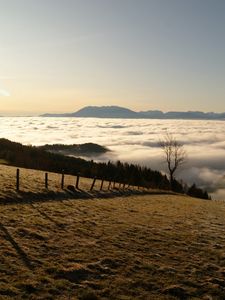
column 125, row 113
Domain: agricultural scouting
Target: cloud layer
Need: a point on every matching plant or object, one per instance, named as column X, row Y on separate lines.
column 135, row 141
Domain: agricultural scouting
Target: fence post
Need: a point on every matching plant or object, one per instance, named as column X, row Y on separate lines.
column 62, row 180
column 93, row 183
column 77, row 181
column 124, row 186
column 114, row 184
column 18, row 179
column 46, row 180
column 101, row 187
column 109, row 185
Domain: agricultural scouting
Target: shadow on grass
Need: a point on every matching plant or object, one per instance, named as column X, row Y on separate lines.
column 70, row 193
column 17, row 247
column 46, row 216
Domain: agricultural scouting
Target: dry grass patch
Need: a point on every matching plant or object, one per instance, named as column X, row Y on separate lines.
column 139, row 247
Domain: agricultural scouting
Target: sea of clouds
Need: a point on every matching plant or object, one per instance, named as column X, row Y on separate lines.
column 135, row 141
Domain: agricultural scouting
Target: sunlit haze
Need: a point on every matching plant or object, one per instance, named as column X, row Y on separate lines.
column 58, row 56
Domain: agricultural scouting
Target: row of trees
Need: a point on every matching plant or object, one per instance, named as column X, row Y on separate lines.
column 35, row 158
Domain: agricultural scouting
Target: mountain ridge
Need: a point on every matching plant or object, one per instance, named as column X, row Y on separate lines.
column 126, row 113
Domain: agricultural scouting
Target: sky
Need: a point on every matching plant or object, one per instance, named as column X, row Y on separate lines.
column 61, row 55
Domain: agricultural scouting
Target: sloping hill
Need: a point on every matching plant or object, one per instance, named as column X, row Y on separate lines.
column 137, row 247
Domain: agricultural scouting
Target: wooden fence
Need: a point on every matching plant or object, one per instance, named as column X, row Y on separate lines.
column 110, row 184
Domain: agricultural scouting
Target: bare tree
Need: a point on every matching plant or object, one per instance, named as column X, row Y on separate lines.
column 175, row 154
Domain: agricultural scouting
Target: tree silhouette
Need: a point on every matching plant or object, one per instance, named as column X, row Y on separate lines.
column 175, row 155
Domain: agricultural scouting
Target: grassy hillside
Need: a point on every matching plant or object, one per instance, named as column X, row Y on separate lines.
column 127, row 247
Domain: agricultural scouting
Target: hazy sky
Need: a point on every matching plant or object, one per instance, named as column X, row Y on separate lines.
column 60, row 55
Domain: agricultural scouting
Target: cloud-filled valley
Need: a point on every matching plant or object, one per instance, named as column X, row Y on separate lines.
column 135, row 141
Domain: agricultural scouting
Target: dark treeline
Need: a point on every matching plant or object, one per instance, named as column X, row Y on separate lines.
column 33, row 157
column 76, row 148
column 194, row 191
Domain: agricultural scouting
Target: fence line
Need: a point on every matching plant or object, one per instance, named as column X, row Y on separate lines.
column 93, row 183
column 77, row 182
column 17, row 179
column 101, row 187
column 62, row 180
column 111, row 184
column 46, row 180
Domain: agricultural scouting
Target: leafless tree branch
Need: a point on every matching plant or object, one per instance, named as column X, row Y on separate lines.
column 175, row 154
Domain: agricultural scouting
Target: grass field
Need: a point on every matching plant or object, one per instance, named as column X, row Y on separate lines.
column 149, row 246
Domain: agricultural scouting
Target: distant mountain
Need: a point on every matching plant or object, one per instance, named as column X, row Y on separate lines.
column 106, row 112
column 99, row 112
column 154, row 114
column 125, row 113
column 192, row 115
